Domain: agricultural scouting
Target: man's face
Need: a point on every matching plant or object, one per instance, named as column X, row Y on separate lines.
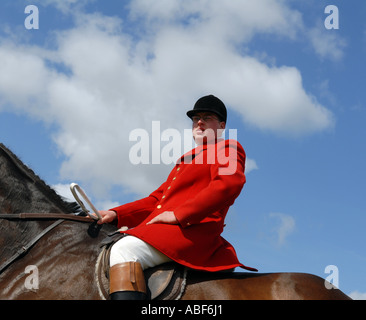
column 206, row 127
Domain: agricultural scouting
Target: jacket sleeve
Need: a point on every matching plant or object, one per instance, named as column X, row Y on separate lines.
column 133, row 213
column 227, row 180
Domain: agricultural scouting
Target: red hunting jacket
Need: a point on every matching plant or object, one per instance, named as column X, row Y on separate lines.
column 200, row 189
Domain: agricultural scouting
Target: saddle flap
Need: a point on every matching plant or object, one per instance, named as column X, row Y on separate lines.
column 158, row 278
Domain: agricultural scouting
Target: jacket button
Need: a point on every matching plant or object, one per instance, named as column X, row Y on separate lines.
column 159, row 206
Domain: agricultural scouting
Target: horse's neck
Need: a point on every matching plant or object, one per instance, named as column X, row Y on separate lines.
column 21, row 190
column 15, row 234
column 19, row 194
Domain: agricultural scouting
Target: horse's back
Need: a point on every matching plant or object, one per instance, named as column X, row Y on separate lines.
column 259, row 286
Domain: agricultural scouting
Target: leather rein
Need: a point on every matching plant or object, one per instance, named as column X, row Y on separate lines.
column 59, row 217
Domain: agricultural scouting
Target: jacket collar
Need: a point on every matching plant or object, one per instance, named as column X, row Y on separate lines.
column 190, row 155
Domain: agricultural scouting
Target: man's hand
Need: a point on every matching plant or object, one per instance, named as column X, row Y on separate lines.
column 107, row 216
column 167, row 217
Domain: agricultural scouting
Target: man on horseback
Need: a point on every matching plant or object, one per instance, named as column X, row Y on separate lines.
column 183, row 219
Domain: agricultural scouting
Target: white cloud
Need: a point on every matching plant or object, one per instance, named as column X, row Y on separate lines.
column 233, row 20
column 250, row 165
column 285, row 227
column 357, row 295
column 65, row 6
column 327, row 43
column 23, row 76
column 274, row 99
column 64, row 191
column 114, row 84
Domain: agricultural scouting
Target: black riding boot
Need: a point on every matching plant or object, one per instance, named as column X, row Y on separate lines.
column 128, row 295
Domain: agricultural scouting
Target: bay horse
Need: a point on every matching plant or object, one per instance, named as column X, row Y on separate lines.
column 65, row 256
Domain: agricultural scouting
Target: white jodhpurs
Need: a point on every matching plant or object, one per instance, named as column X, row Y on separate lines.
column 132, row 249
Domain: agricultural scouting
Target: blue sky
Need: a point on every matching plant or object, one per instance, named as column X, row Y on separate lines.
column 72, row 90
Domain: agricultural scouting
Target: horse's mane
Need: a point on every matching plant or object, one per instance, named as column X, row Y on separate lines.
column 51, row 194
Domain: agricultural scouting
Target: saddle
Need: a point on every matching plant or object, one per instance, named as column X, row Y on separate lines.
column 163, row 282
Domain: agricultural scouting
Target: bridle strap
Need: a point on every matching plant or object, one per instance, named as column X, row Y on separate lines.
column 61, row 217
column 26, row 247
column 44, row 216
